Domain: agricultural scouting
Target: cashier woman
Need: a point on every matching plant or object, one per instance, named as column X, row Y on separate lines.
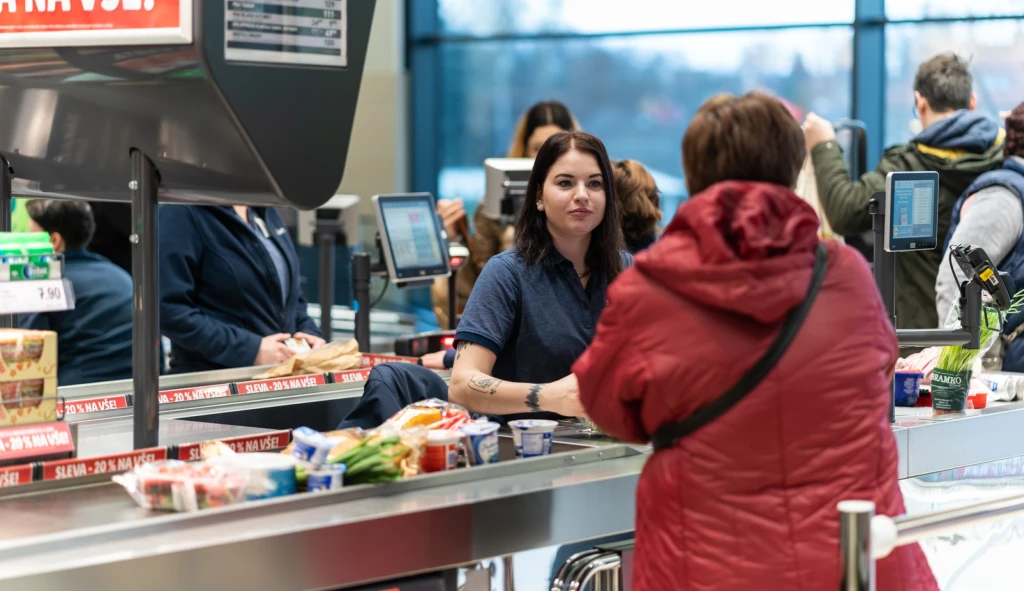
column 534, row 308
column 229, row 288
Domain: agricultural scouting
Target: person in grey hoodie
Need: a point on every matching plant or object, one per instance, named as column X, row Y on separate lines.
column 990, row 214
column 957, row 142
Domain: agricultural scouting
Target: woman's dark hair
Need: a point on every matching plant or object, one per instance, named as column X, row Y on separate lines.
column 752, row 137
column 539, row 115
column 533, row 239
column 639, row 197
column 1014, row 145
column 71, row 219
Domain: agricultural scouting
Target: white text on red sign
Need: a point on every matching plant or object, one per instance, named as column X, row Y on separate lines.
column 191, row 394
column 239, row 445
column 358, row 375
column 65, row 5
column 280, row 384
column 38, row 440
column 74, row 407
column 15, row 476
column 122, row 463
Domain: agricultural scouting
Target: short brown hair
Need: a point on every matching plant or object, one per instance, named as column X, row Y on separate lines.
column 749, row 138
column 1014, row 144
column 72, row 219
column 945, row 82
column 639, row 200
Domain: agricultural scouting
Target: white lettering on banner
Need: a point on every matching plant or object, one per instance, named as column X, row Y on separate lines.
column 84, row 406
column 65, row 5
column 11, row 478
column 280, row 384
column 194, row 394
column 12, row 5
column 87, row 5
column 261, row 444
column 71, row 471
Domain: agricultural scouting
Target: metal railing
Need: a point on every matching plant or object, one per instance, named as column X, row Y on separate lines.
column 865, row 537
column 599, row 568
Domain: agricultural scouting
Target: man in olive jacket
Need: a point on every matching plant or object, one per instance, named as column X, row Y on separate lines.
column 957, row 142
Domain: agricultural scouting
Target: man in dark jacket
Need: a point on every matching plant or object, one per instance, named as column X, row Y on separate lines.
column 956, row 142
column 94, row 341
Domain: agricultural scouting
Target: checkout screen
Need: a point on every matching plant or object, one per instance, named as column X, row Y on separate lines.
column 414, row 238
column 912, row 215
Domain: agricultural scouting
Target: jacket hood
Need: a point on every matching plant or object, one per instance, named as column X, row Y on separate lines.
column 741, row 247
column 967, row 131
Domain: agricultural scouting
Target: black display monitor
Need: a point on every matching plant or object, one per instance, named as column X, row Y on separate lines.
column 911, row 211
column 413, row 239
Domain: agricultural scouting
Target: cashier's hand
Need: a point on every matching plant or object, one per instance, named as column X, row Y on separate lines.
column 451, row 211
column 563, row 397
column 273, row 350
column 433, row 360
column 817, row 131
column 313, row 341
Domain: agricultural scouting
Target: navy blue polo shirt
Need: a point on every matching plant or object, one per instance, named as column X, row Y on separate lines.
column 537, row 319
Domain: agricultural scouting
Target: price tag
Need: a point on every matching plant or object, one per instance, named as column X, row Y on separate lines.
column 279, row 384
column 199, row 393
column 15, row 475
column 243, row 444
column 373, row 359
column 43, row 295
column 44, row 439
column 77, row 467
column 355, row 375
column 76, row 407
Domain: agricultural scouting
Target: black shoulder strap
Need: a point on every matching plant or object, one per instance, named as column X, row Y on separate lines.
column 669, row 434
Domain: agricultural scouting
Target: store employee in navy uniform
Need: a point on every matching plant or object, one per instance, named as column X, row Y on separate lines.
column 535, row 306
column 229, row 288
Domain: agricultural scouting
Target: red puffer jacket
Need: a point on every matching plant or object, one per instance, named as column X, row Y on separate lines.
column 749, row 501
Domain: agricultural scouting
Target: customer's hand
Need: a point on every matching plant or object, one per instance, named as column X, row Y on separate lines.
column 314, row 342
column 451, row 210
column 273, row 350
column 563, row 397
column 433, row 360
column 817, row 131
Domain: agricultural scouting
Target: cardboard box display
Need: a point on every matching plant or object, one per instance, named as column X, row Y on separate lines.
column 28, row 401
column 27, row 355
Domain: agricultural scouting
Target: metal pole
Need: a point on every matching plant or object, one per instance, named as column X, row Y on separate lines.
column 361, row 265
column 885, row 274
column 855, row 560
column 145, row 302
column 326, row 242
column 6, row 175
column 920, row 527
column 453, row 301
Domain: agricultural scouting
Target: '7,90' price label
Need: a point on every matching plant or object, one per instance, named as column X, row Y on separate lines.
column 47, row 295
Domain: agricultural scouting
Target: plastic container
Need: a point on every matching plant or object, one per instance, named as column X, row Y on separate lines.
column 327, row 477
column 907, row 387
column 977, row 401
column 311, row 447
column 270, row 474
column 441, row 451
column 482, row 447
column 173, row 485
column 532, row 437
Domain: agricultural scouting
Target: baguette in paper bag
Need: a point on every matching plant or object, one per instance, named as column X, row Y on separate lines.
column 329, row 358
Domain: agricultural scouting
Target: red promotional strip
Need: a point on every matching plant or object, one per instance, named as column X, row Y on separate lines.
column 243, row 444
column 278, row 384
column 354, row 375
column 31, row 441
column 78, row 467
column 77, row 15
column 373, row 359
column 15, row 475
column 77, row 407
column 197, row 393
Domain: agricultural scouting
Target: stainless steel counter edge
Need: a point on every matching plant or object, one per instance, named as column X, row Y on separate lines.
column 330, row 540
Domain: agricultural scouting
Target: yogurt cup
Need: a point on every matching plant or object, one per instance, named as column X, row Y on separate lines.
column 441, row 452
column 483, row 441
column 270, row 474
column 327, row 477
column 532, row 437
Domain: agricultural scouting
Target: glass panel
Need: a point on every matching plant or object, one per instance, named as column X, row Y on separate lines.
column 996, row 51
column 636, row 93
column 472, row 17
column 915, row 9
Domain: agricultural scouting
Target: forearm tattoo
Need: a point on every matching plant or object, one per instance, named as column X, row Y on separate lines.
column 533, row 398
column 484, row 384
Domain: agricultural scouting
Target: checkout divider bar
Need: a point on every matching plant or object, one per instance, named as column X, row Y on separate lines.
column 72, row 468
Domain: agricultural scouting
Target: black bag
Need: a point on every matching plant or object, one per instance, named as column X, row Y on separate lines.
column 670, row 433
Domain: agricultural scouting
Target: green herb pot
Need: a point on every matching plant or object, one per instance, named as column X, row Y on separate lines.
column 949, row 390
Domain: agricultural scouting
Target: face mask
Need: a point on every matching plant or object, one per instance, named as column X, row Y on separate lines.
column 916, row 126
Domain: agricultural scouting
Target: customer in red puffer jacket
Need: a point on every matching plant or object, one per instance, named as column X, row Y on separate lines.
column 748, row 501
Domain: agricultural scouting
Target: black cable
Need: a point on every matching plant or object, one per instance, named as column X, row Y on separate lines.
column 387, row 282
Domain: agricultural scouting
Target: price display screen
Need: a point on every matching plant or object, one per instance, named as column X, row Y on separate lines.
column 912, row 213
column 414, row 246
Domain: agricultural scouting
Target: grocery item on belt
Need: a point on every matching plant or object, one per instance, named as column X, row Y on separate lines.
column 442, row 451
column 28, row 376
column 431, row 413
column 174, row 485
column 907, row 387
column 532, row 437
column 311, row 447
column 270, row 474
column 329, row 358
column 1005, row 386
column 326, row 477
column 346, row 439
column 483, row 442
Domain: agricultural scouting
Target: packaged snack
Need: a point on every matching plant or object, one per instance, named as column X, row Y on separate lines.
column 432, row 413
column 270, row 474
column 329, row 358
column 173, row 485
